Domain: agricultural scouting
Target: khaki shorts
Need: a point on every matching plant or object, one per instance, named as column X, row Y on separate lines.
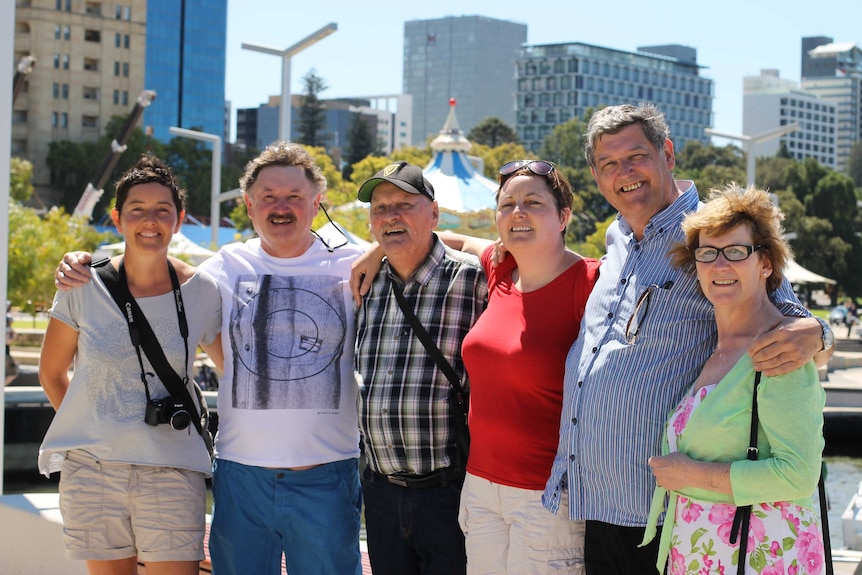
column 116, row 510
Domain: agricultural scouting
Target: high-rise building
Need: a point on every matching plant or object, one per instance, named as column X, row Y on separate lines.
column 469, row 58
column 90, row 67
column 558, row 82
column 833, row 71
column 185, row 65
column 769, row 102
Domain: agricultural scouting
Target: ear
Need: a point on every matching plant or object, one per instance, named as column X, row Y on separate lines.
column 181, row 218
column 765, row 267
column 565, row 216
column 115, row 217
column 435, row 212
column 669, row 156
column 246, row 197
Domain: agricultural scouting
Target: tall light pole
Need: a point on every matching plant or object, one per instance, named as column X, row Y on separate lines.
column 748, row 143
column 215, row 185
column 286, row 54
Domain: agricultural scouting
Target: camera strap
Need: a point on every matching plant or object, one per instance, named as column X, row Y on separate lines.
column 142, row 336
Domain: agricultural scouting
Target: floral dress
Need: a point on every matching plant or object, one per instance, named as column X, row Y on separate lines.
column 783, row 538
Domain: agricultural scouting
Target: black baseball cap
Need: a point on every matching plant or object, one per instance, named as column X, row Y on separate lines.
column 402, row 174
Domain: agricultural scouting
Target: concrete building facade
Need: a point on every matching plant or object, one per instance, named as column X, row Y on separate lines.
column 469, row 58
column 770, row 102
column 90, row 67
column 558, row 82
column 833, row 71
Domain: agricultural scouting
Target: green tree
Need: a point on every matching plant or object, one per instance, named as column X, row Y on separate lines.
column 36, row 246
column 361, row 142
column 20, row 176
column 495, row 156
column 565, row 144
column 854, row 164
column 492, row 132
column 312, row 114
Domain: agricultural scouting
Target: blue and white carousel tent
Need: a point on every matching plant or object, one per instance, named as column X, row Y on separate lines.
column 458, row 186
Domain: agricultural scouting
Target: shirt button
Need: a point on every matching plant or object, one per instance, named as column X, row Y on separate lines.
column 385, row 410
column 595, row 349
column 580, row 384
column 575, row 420
column 610, row 315
column 572, row 457
column 623, row 281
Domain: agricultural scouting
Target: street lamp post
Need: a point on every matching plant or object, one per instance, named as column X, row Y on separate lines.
column 215, row 185
column 748, row 143
column 286, row 54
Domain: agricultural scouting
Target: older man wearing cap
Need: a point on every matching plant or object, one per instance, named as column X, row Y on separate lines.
column 407, row 415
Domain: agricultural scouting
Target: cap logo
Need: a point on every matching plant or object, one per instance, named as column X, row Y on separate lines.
column 390, row 169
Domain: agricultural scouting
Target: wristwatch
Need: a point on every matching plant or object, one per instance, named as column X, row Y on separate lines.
column 828, row 336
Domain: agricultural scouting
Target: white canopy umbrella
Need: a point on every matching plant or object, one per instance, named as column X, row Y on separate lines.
column 797, row 274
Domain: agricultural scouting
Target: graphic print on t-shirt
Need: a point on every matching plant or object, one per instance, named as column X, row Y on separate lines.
column 287, row 336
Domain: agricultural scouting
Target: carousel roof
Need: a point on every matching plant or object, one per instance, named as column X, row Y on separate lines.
column 458, row 186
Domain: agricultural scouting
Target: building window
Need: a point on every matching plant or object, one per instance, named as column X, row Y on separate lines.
column 93, row 9
column 116, row 68
column 91, row 93
column 68, row 5
column 89, row 121
column 19, row 117
column 91, row 64
column 64, row 120
column 57, row 32
column 116, row 97
column 126, row 41
column 66, row 32
column 65, row 61
column 117, row 41
column 92, row 36
column 56, row 61
column 65, row 91
column 127, row 13
column 125, row 97
column 56, row 90
column 55, row 119
column 125, row 69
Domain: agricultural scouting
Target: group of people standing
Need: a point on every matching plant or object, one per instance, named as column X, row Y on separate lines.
column 572, row 366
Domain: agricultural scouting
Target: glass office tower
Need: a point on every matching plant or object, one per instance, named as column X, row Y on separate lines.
column 185, row 65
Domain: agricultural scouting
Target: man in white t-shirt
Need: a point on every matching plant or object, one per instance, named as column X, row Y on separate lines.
column 285, row 479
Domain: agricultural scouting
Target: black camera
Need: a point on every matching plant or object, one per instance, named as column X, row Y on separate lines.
column 171, row 410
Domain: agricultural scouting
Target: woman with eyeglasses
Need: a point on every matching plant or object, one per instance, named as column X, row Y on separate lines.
column 131, row 458
column 730, row 511
column 515, row 357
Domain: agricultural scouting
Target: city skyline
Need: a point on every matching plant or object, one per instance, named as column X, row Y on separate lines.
column 364, row 57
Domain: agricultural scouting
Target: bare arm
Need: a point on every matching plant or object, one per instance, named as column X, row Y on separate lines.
column 215, row 352
column 58, row 352
column 788, row 346
column 73, row 270
column 677, row 471
column 464, row 243
column 363, row 271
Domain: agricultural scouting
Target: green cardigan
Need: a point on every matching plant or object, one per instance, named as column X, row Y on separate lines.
column 789, row 441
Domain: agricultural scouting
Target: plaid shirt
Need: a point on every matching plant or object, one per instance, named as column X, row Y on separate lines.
column 404, row 408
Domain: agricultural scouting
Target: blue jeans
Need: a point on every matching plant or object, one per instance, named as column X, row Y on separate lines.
column 312, row 516
column 413, row 531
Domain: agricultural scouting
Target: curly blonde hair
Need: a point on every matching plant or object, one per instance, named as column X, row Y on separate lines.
column 728, row 208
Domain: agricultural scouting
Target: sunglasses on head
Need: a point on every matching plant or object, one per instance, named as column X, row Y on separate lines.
column 538, row 167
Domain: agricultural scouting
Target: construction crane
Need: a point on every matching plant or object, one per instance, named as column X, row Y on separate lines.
column 95, row 187
column 25, row 66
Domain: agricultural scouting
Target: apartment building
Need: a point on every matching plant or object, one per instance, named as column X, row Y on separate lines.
column 558, row 82
column 90, row 67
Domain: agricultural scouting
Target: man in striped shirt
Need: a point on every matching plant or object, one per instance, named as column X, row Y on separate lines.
column 407, row 418
column 647, row 331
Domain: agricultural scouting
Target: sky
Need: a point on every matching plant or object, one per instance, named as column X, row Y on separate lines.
column 733, row 38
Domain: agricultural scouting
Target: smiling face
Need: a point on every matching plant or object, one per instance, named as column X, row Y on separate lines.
column 527, row 215
column 734, row 284
column 403, row 225
column 148, row 218
column 282, row 204
column 633, row 176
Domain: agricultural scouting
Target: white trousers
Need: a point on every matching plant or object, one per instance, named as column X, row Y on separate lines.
column 509, row 532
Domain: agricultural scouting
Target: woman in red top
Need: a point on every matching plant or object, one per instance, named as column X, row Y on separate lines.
column 515, row 357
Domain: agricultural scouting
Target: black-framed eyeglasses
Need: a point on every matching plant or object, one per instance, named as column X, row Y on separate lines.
column 735, row 253
column 538, row 167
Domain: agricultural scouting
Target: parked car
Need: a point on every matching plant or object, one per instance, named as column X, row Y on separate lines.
column 837, row 315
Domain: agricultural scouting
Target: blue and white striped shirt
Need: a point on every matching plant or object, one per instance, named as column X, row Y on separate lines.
column 618, row 395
